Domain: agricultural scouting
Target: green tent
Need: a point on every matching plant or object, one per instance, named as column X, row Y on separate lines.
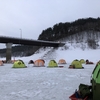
column 19, row 64
column 82, row 61
column 52, row 63
column 76, row 63
column 96, row 82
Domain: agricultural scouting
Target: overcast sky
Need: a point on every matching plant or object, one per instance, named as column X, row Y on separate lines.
column 27, row 18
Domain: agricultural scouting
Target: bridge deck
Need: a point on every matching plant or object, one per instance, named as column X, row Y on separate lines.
column 4, row 39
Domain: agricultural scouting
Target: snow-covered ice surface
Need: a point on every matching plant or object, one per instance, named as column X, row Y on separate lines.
column 41, row 83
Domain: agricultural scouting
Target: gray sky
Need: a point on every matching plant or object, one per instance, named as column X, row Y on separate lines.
column 30, row 17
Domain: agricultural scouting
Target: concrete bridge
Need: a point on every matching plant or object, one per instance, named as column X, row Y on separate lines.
column 9, row 41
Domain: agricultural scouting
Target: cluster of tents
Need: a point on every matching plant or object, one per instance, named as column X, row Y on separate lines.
column 52, row 63
column 76, row 64
column 38, row 63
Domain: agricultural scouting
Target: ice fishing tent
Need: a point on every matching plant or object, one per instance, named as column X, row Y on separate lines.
column 52, row 63
column 76, row 64
column 1, row 63
column 89, row 62
column 96, row 82
column 62, row 61
column 31, row 62
column 19, row 64
column 4, row 61
column 39, row 63
column 82, row 61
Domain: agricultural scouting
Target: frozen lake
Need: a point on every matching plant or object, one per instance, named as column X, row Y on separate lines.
column 41, row 83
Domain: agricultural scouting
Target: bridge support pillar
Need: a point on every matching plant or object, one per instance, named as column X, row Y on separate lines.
column 8, row 51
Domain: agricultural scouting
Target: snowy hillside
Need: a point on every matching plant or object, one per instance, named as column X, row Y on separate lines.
column 68, row 55
column 69, row 52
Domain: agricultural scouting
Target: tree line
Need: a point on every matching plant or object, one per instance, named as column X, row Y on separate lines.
column 62, row 30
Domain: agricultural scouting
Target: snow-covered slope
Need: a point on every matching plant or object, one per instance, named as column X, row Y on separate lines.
column 69, row 52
